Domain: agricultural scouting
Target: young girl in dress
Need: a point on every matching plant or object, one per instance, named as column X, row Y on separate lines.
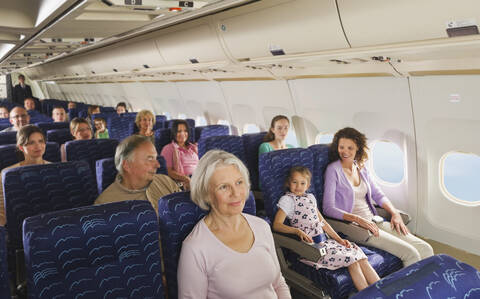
column 301, row 210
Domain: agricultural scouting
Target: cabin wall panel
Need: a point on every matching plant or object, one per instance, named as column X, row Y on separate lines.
column 444, row 126
column 378, row 107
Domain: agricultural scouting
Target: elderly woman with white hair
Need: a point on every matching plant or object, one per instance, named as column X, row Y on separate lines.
column 228, row 254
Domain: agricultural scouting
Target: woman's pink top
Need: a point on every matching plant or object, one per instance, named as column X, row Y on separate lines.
column 188, row 157
column 210, row 269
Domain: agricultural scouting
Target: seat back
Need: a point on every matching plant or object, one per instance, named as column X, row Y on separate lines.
column 177, row 217
column 4, row 125
column 274, row 167
column 4, row 278
column 106, row 171
column 8, row 138
column 120, row 127
column 230, row 144
column 36, row 189
column 10, row 156
column 251, row 143
column 37, row 117
column 104, row 251
column 209, row 131
column 320, row 163
column 46, row 126
column 72, row 113
column 59, row 136
column 90, row 150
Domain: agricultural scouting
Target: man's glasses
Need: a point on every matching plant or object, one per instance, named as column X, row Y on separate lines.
column 19, row 116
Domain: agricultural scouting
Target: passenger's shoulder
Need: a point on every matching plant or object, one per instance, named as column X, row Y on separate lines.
column 257, row 222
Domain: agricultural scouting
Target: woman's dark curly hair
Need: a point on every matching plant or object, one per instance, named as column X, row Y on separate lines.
column 360, row 140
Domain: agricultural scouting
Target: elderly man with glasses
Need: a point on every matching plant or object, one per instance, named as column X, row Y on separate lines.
column 18, row 118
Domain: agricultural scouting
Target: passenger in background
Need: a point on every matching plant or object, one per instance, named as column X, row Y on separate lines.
column 350, row 193
column 59, row 114
column 121, row 108
column 181, row 155
column 21, row 91
column 275, row 138
column 92, row 110
column 136, row 162
column 145, row 121
column 18, row 118
column 228, row 254
column 80, row 129
column 31, row 142
column 308, row 224
column 101, row 131
column 71, row 105
column 29, row 104
column 3, row 112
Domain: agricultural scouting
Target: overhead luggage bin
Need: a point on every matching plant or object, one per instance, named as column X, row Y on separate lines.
column 192, row 43
column 269, row 28
column 376, row 22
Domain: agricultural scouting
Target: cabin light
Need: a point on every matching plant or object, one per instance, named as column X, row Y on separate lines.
column 175, row 9
column 454, row 98
column 22, row 36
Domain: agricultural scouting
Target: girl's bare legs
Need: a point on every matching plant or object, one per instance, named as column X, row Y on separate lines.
column 358, row 278
column 368, row 272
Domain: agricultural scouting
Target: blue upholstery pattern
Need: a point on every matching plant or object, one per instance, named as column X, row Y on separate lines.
column 37, row 117
column 4, row 125
column 106, row 171
column 72, row 113
column 4, row 279
column 90, row 150
column 8, row 138
column 46, row 126
column 59, row 136
column 104, row 251
column 251, row 143
column 107, row 109
column 229, row 143
column 120, row 127
column 209, row 131
column 439, row 276
column 274, row 167
column 35, row 189
column 177, row 217
column 320, row 160
column 9, row 155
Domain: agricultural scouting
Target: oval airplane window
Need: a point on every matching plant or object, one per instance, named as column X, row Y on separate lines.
column 459, row 177
column 182, row 116
column 251, row 128
column 200, row 121
column 388, row 162
column 324, row 138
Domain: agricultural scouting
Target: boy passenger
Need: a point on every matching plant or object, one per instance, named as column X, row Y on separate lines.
column 59, row 114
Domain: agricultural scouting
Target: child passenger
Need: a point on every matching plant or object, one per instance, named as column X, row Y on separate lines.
column 101, row 131
column 307, row 223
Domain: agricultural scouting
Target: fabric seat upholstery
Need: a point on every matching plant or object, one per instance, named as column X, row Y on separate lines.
column 104, row 251
column 9, row 156
column 4, row 278
column 46, row 126
column 90, row 150
column 59, row 136
column 177, row 217
column 8, row 138
column 230, row 144
column 120, row 127
column 251, row 143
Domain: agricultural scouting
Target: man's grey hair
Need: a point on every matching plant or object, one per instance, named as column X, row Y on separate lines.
column 204, row 171
column 125, row 150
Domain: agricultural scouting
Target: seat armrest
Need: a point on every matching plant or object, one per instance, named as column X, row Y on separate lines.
column 382, row 212
column 294, row 244
column 353, row 231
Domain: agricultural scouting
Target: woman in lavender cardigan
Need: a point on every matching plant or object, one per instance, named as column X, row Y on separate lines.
column 350, row 194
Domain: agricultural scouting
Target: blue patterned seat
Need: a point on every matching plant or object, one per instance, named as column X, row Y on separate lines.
column 90, row 150
column 8, row 138
column 251, row 143
column 46, row 126
column 209, row 131
column 104, row 251
column 230, row 144
column 107, row 109
column 36, row 189
column 320, row 157
column 273, row 168
column 439, row 276
column 4, row 125
column 37, row 117
column 177, row 217
column 120, row 127
column 106, row 171
column 72, row 113
column 59, row 136
column 10, row 156
column 4, row 278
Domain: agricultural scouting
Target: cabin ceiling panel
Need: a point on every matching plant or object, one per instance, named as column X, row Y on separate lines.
column 291, row 26
column 375, row 22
